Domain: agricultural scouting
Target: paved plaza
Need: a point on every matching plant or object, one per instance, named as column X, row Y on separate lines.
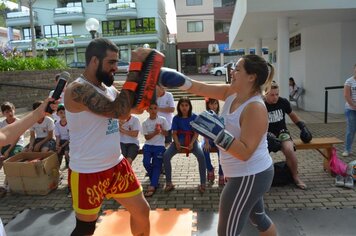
column 321, row 192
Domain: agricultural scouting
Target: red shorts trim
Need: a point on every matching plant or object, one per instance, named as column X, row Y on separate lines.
column 89, row 189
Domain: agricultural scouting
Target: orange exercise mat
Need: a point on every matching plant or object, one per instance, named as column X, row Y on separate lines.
column 163, row 222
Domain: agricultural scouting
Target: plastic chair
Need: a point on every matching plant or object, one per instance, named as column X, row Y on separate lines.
column 295, row 98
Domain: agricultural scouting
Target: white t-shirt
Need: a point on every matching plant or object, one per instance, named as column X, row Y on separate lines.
column 21, row 140
column 94, row 140
column 42, row 129
column 61, row 131
column 149, row 126
column 133, row 123
column 165, row 101
column 259, row 161
column 351, row 82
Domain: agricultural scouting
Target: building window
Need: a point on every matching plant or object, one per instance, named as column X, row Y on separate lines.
column 226, row 27
column 222, row 27
column 90, row 0
column 295, row 43
column 194, row 2
column 51, row 31
column 27, row 32
column 115, row 27
column 143, row 25
column 195, row 26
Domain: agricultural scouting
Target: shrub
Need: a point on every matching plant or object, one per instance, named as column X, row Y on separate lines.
column 11, row 60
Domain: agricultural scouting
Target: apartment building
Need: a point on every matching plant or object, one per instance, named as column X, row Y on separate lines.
column 311, row 41
column 202, row 34
column 60, row 26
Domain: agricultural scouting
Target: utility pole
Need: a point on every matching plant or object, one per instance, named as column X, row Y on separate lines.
column 32, row 28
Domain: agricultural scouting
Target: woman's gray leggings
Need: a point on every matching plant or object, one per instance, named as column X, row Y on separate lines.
column 242, row 197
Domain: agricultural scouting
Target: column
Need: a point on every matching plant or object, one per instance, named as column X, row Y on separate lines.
column 179, row 57
column 283, row 56
column 222, row 59
column 258, row 47
column 75, row 53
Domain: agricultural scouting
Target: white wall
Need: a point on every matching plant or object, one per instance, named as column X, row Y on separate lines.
column 326, row 58
column 348, row 50
column 322, row 66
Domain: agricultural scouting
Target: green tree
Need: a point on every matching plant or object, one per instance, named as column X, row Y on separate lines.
column 3, row 10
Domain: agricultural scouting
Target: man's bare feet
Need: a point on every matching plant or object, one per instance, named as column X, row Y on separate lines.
column 300, row 184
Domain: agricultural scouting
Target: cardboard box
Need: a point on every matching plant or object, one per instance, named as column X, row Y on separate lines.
column 32, row 173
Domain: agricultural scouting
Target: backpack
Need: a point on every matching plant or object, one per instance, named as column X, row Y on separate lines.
column 282, row 174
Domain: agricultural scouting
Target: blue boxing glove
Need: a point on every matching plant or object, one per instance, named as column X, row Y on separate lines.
column 170, row 78
column 209, row 125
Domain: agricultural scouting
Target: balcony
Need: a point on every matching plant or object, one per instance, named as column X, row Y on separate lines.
column 20, row 18
column 120, row 39
column 64, row 15
column 24, row 45
column 117, row 11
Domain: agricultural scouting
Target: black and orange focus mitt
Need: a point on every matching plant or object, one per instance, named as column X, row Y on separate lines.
column 143, row 75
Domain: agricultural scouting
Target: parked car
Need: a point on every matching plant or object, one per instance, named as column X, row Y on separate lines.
column 123, row 67
column 76, row 64
column 220, row 70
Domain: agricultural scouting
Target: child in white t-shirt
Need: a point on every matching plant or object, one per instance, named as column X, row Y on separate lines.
column 8, row 111
column 166, row 107
column 154, row 128
column 62, row 135
column 129, row 143
column 41, row 134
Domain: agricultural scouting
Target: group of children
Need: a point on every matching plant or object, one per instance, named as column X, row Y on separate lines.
column 42, row 135
column 158, row 150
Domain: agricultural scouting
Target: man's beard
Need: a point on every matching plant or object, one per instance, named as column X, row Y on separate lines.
column 104, row 77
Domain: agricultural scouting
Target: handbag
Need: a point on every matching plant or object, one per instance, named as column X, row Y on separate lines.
column 337, row 166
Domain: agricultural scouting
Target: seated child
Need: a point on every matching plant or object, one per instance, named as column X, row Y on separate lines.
column 129, row 143
column 7, row 151
column 8, row 111
column 41, row 134
column 154, row 128
column 212, row 105
column 184, row 137
column 62, row 135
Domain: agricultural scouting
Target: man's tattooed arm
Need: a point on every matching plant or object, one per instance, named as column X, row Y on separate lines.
column 99, row 104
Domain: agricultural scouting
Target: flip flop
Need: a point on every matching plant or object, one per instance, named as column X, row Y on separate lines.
column 201, row 188
column 169, row 187
column 150, row 192
column 301, row 186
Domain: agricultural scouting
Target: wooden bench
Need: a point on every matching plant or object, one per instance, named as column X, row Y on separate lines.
column 323, row 145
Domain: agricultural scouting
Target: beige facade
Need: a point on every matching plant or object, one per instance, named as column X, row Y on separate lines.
column 201, row 26
column 206, row 35
column 203, row 13
column 182, row 9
